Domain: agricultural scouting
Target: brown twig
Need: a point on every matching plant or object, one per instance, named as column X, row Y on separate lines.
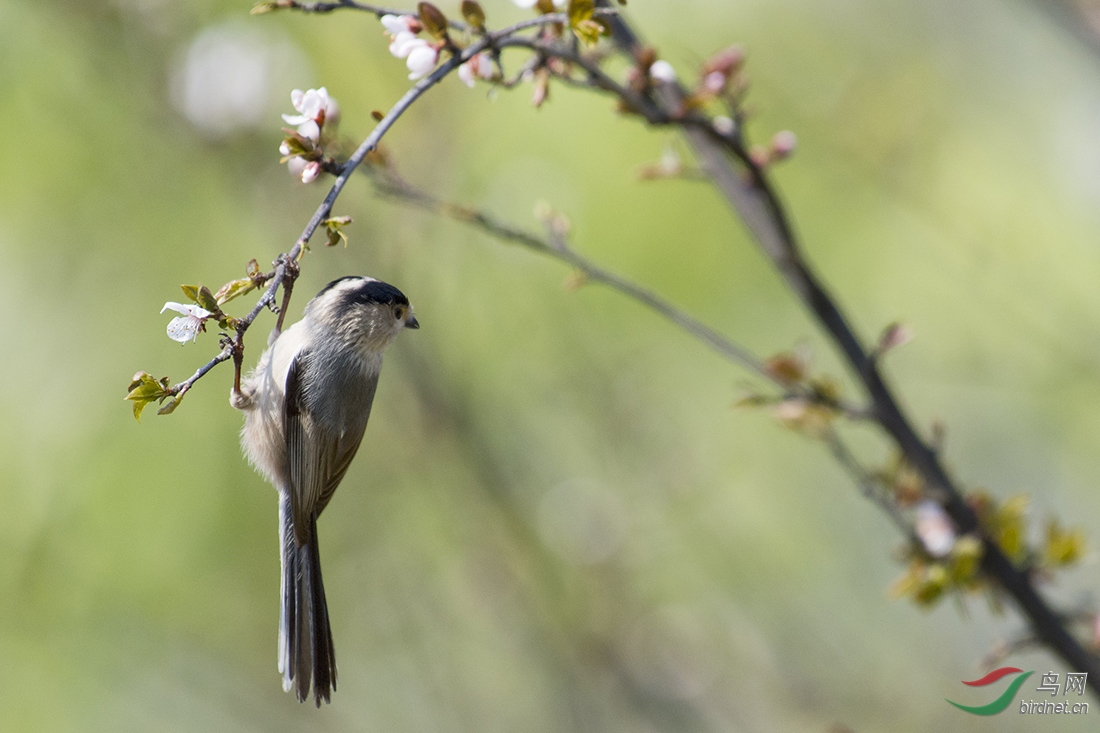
column 556, row 245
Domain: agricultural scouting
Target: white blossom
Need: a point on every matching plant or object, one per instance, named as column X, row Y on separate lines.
column 478, row 67
column 186, row 327
column 296, row 165
column 310, row 130
column 312, row 106
column 404, row 42
column 422, row 59
column 395, row 24
column 662, row 70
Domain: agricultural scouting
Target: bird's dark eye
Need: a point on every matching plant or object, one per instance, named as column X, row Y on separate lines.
column 399, row 313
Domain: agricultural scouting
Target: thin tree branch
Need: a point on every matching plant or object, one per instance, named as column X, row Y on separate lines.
column 225, row 355
column 556, row 246
column 597, row 77
column 328, row 7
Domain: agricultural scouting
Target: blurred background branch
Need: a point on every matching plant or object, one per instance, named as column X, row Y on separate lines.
column 751, row 196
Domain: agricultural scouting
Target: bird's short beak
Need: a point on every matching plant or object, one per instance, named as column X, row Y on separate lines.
column 412, row 322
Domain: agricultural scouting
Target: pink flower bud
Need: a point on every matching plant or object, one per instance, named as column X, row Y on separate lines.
column 783, row 144
column 311, row 171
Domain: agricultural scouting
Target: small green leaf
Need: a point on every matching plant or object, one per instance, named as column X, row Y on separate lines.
column 264, row 7
column 965, row 559
column 145, row 389
column 334, row 226
column 234, row 289
column 473, row 13
column 139, row 405
column 297, row 145
column 580, row 10
column 191, row 292
column 1063, row 547
column 171, row 405
column 433, row 20
column 932, row 586
column 589, row 32
column 206, row 299
column 1010, row 527
column 580, row 20
column 137, row 380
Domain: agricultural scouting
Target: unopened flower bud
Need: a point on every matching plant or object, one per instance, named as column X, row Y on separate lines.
column 934, row 528
column 726, row 62
column 662, row 71
column 714, row 82
column 783, row 144
column 311, row 171
column 723, row 125
column 422, row 59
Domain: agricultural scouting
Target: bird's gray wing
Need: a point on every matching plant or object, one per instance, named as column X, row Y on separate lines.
column 317, row 456
column 348, row 443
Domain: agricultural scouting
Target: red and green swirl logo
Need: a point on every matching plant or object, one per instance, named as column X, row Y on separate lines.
column 1001, row 702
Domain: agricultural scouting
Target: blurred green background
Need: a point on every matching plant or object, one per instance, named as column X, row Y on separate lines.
column 557, row 521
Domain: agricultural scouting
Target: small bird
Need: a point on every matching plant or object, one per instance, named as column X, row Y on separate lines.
column 306, row 406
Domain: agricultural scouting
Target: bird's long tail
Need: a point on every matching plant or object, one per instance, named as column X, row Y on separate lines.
column 305, row 638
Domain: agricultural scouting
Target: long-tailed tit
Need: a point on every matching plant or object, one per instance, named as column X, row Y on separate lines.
column 306, row 406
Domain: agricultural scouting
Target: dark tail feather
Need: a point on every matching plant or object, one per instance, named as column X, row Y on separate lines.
column 306, row 651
